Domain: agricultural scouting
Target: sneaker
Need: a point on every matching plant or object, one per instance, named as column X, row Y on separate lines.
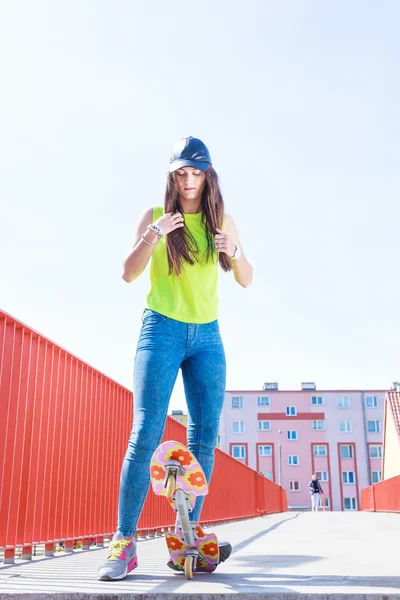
column 121, row 559
column 225, row 550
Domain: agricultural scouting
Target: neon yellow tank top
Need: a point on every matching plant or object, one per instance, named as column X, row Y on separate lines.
column 193, row 297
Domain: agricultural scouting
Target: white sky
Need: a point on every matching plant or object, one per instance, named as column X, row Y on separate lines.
column 298, row 102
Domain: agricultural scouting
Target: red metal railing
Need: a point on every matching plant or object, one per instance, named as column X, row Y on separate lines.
column 63, row 432
column 383, row 496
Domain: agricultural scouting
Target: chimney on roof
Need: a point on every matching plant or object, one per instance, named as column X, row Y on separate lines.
column 396, row 386
column 270, row 385
column 308, row 385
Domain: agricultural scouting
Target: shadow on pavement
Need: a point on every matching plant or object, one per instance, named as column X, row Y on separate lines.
column 259, row 535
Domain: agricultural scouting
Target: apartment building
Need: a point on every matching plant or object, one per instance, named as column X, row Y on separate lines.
column 288, row 435
column 179, row 416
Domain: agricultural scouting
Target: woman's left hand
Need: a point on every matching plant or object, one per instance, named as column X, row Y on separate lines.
column 223, row 243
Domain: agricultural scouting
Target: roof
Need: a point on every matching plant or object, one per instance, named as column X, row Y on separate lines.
column 315, row 392
column 394, row 400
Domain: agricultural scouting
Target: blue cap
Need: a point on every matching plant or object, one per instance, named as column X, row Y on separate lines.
column 189, row 152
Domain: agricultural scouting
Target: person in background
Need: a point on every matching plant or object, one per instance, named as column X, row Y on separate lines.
column 316, row 492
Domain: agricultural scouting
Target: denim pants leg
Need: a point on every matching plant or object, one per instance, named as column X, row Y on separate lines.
column 164, row 346
column 204, row 379
column 157, row 363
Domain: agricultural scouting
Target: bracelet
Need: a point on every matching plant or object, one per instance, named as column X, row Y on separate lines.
column 150, row 243
column 156, row 229
column 237, row 254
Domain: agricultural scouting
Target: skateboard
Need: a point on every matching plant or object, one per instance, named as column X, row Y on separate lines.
column 176, row 474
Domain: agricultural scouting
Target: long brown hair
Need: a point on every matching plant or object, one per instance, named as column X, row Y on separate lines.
column 181, row 246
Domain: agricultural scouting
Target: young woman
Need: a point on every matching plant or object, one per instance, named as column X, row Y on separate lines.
column 185, row 239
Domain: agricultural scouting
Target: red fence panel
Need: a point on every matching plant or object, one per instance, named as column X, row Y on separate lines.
column 63, row 432
column 367, row 499
column 61, row 441
column 383, row 496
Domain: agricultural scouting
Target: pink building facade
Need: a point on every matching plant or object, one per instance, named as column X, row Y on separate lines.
column 288, row 435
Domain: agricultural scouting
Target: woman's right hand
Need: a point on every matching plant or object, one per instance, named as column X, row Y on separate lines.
column 170, row 221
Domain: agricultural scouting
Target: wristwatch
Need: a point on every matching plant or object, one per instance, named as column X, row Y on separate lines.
column 237, row 254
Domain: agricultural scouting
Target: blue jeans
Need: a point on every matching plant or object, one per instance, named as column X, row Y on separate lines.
column 164, row 346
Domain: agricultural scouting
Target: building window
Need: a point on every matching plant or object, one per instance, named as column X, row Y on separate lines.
column 348, row 477
column 373, row 426
column 237, row 401
column 320, row 451
column 268, row 475
column 376, row 476
column 239, row 451
column 375, row 451
column 264, row 401
column 346, row 451
column 318, row 425
column 317, row 400
column 325, row 501
column 237, row 426
column 350, row 504
column 294, row 486
column 291, row 411
column 218, row 439
column 371, row 401
column 343, row 402
column 322, row 475
column 179, row 419
column 264, row 450
column 293, row 460
column 345, row 426
column 264, row 425
column 292, row 435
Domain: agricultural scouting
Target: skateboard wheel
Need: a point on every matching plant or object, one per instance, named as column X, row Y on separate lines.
column 189, row 567
column 170, row 487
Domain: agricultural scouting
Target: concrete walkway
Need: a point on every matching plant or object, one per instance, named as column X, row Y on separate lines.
column 291, row 554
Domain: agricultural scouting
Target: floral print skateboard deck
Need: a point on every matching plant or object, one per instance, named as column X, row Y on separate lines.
column 206, row 545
